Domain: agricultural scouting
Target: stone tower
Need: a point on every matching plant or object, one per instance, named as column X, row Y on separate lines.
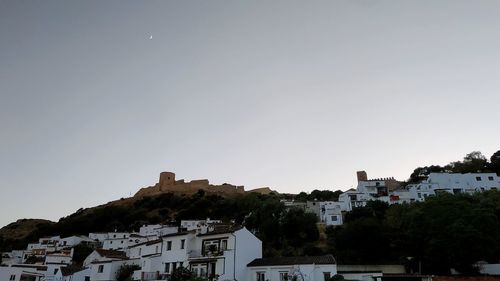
column 362, row 176
column 166, row 178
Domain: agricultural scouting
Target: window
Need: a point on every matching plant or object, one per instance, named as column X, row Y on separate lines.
column 56, row 270
column 140, row 251
column 419, row 195
column 334, row 218
column 12, row 277
column 224, row 245
column 114, row 235
column 100, row 269
column 110, row 242
column 283, row 276
column 174, row 266
column 121, row 242
column 183, row 242
column 169, row 245
column 87, row 278
column 490, row 178
column 261, row 276
column 156, row 249
column 326, row 276
column 167, row 267
column 478, row 178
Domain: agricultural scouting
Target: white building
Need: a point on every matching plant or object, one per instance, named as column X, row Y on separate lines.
column 223, row 253
column 314, row 268
column 331, row 212
column 197, row 224
column 104, row 255
column 23, row 272
column 54, row 262
column 455, row 183
column 71, row 241
column 157, row 230
column 73, row 274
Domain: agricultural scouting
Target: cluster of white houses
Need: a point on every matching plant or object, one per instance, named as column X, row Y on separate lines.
column 209, row 249
column 392, row 192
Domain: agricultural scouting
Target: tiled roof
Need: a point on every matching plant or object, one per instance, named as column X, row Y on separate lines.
column 147, row 243
column 328, row 259
column 111, row 254
column 180, row 233
column 69, row 270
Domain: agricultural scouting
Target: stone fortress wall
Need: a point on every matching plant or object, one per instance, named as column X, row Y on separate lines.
column 167, row 183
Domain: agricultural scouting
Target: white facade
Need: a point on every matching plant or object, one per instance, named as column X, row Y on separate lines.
column 157, row 230
column 106, row 270
column 15, row 273
column 197, row 224
column 331, row 212
column 282, row 269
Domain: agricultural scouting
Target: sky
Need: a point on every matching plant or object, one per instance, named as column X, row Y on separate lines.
column 98, row 97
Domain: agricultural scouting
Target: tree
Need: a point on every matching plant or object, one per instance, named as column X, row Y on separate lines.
column 184, row 274
column 125, row 272
column 80, row 253
column 495, row 162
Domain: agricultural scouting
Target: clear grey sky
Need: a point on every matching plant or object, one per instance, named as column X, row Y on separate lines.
column 295, row 95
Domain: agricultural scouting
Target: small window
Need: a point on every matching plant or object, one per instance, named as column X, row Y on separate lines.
column 334, row 218
column 223, row 245
column 121, row 242
column 478, row 178
column 261, row 276
column 156, row 249
column 110, row 242
column 174, row 266
column 169, row 245
column 100, row 269
column 56, row 270
column 490, row 178
column 283, row 276
column 326, row 276
column 167, row 267
column 114, row 235
column 12, row 277
column 183, row 242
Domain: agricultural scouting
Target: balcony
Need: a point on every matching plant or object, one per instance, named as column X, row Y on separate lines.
column 194, row 254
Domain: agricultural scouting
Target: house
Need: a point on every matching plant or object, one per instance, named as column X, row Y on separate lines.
column 71, row 241
column 104, row 255
column 197, row 224
column 313, row 268
column 54, row 261
column 209, row 253
column 331, row 212
column 106, row 270
column 73, row 273
column 21, row 272
column 157, row 230
column 455, row 183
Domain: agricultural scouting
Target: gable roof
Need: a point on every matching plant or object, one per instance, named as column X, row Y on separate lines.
column 111, row 254
column 328, row 259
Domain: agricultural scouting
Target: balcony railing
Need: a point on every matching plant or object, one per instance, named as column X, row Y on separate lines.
column 149, row 276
